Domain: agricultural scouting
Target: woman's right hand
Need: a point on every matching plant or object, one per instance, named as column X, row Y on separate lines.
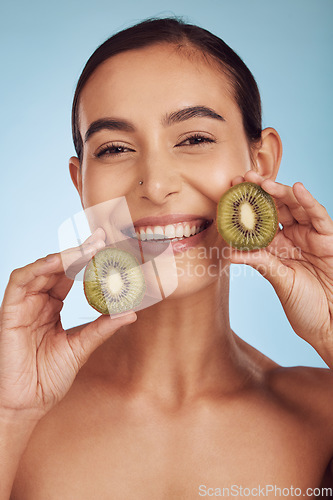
column 38, row 359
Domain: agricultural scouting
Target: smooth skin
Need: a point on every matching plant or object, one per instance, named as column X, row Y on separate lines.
column 175, row 399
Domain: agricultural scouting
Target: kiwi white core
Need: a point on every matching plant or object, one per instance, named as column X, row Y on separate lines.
column 247, row 215
column 115, row 283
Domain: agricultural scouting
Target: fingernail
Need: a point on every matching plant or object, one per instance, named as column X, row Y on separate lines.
column 93, row 234
column 269, row 184
column 90, row 239
column 128, row 316
column 97, row 243
column 93, row 245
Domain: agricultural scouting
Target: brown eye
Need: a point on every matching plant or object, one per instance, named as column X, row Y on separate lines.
column 112, row 150
column 196, row 140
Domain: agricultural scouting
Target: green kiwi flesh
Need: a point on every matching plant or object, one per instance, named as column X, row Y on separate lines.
column 247, row 217
column 113, row 281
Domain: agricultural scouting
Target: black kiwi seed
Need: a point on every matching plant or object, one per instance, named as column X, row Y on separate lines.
column 247, row 217
column 113, row 281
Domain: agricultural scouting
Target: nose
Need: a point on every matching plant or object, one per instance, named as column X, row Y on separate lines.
column 160, row 179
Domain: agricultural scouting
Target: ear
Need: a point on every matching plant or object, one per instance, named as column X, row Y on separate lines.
column 75, row 171
column 267, row 157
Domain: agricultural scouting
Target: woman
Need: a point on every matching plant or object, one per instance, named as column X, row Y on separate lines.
column 175, row 405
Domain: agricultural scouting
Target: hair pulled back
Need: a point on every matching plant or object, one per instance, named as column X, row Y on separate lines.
column 177, row 32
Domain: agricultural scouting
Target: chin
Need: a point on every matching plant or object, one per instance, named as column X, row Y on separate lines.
column 197, row 274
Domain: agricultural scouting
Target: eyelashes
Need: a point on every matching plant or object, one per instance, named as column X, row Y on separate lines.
column 197, row 140
column 112, row 149
column 116, row 149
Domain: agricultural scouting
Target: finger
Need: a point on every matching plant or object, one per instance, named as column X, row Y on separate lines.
column 97, row 235
column 237, row 180
column 84, row 342
column 24, row 280
column 74, row 259
column 50, row 264
column 253, row 176
column 270, row 266
column 285, row 216
column 40, row 276
column 284, row 195
column 317, row 213
column 70, row 263
column 284, row 248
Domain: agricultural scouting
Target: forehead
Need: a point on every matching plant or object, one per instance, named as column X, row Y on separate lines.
column 152, row 81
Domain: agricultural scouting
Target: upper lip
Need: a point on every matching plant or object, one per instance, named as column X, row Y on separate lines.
column 164, row 220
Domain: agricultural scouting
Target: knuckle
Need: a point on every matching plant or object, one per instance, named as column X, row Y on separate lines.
column 14, row 275
column 41, row 260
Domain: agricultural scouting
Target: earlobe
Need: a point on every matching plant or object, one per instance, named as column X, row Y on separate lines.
column 75, row 172
column 268, row 156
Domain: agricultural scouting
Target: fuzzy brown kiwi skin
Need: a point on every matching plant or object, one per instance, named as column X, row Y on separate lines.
column 276, row 212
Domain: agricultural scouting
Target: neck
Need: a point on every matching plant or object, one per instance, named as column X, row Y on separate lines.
column 177, row 350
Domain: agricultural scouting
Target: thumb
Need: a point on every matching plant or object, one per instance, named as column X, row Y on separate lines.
column 269, row 266
column 85, row 341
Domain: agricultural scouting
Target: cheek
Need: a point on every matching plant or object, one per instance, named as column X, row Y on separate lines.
column 213, row 177
column 101, row 184
column 201, row 267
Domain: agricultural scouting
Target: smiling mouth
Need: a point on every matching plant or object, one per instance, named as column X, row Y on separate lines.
column 170, row 232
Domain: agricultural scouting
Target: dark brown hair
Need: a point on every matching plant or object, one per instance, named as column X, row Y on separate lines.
column 177, row 32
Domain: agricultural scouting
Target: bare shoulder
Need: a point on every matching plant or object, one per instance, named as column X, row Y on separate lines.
column 306, row 389
column 308, row 393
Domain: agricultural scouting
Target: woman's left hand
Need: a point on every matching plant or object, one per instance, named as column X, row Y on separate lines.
column 298, row 262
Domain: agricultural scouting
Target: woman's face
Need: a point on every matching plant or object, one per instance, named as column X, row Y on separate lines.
column 185, row 158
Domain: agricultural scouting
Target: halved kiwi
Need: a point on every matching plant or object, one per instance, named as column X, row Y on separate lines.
column 247, row 217
column 113, row 281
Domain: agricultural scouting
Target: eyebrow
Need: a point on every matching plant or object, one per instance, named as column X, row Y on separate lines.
column 188, row 113
column 108, row 124
column 168, row 120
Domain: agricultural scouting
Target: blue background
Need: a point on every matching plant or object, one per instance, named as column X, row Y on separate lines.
column 288, row 45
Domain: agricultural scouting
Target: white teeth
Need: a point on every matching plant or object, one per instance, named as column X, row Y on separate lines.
column 170, row 231
column 187, row 231
column 149, row 234
column 158, row 233
column 179, row 231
